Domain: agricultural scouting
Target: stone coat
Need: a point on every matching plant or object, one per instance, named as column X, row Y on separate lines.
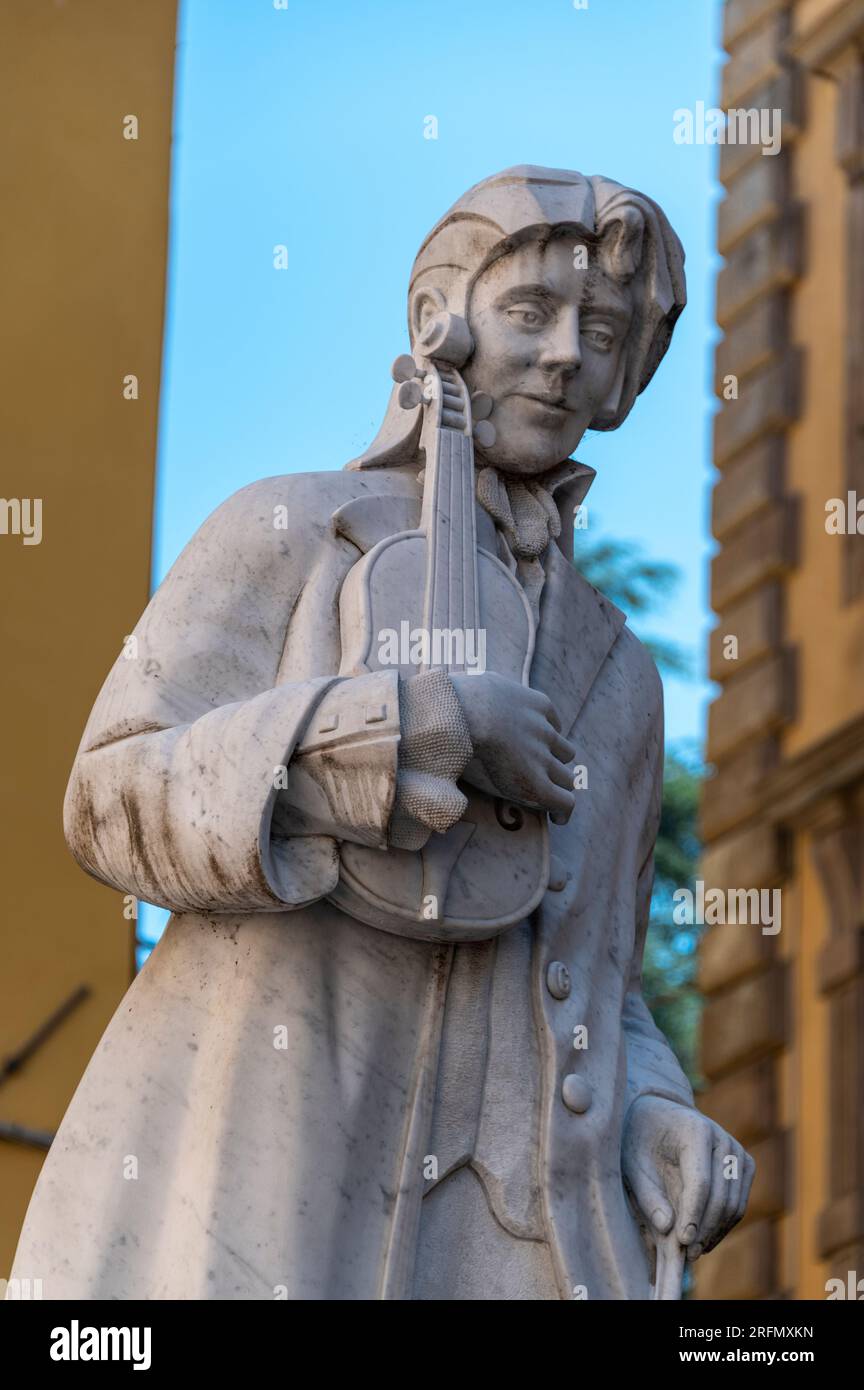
column 198, row 1159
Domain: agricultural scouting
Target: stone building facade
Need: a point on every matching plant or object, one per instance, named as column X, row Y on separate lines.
column 783, row 1029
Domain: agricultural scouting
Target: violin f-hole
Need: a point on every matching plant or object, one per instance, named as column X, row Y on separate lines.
column 508, row 816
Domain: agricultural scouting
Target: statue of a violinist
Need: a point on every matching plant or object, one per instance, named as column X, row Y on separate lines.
column 393, row 1042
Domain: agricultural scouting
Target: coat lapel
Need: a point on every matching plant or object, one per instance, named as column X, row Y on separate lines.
column 578, row 626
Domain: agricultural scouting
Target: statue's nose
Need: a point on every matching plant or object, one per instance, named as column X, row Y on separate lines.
column 562, row 350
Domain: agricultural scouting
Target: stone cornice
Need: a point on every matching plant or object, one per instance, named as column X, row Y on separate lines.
column 823, row 46
column 801, row 788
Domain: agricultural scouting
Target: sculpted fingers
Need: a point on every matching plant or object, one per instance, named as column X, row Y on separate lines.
column 739, row 1207
column 537, row 781
column 739, row 1193
column 651, row 1199
column 749, row 1175
column 734, row 1170
column 562, row 749
column 560, row 803
column 696, row 1165
column 738, row 1169
column 716, row 1207
column 544, row 707
column 561, row 775
column 724, row 1200
column 549, row 712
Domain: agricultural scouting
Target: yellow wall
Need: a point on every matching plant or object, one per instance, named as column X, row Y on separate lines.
column 84, row 249
column 828, row 635
column 810, row 12
column 803, row 1069
column 812, row 1093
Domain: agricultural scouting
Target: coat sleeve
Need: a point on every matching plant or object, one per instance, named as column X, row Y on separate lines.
column 172, row 793
column 652, row 1067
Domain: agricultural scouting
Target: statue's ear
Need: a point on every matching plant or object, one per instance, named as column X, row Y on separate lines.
column 607, row 416
column 434, row 331
column 426, row 302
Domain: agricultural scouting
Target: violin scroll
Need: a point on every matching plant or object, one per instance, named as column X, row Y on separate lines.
column 447, row 338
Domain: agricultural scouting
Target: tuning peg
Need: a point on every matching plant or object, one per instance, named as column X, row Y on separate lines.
column 481, row 406
column 484, row 433
column 410, row 394
column 404, row 368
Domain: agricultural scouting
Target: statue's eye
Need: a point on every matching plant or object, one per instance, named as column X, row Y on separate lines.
column 527, row 315
column 599, row 337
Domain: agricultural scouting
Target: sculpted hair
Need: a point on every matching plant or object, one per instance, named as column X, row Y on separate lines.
column 628, row 235
column 627, row 232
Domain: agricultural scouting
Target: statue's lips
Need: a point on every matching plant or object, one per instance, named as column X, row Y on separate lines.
column 552, row 408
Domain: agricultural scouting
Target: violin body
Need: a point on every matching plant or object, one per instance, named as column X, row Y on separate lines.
column 491, row 869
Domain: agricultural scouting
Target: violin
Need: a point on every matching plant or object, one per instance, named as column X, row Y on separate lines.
column 490, row 869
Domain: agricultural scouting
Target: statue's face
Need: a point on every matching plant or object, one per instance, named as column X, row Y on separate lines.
column 548, row 341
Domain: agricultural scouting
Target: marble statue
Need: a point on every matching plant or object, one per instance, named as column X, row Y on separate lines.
column 395, row 768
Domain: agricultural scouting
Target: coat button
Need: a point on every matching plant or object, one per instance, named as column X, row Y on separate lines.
column 576, row 1094
column 558, row 979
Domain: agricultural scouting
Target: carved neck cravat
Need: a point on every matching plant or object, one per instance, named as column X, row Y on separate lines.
column 526, row 512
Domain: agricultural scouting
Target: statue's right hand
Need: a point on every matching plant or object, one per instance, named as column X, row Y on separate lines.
column 519, row 752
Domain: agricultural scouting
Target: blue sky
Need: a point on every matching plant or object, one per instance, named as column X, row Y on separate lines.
column 303, row 126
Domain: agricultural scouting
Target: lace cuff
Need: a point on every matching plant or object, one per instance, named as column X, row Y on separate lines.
column 434, row 750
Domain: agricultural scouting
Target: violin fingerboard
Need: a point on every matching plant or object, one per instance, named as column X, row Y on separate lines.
column 451, row 600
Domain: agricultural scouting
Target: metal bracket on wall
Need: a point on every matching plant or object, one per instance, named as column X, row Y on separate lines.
column 21, row 1134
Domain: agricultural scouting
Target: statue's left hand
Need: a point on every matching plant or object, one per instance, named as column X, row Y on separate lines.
column 683, row 1169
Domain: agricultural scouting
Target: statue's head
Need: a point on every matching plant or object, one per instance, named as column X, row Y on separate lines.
column 565, row 289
